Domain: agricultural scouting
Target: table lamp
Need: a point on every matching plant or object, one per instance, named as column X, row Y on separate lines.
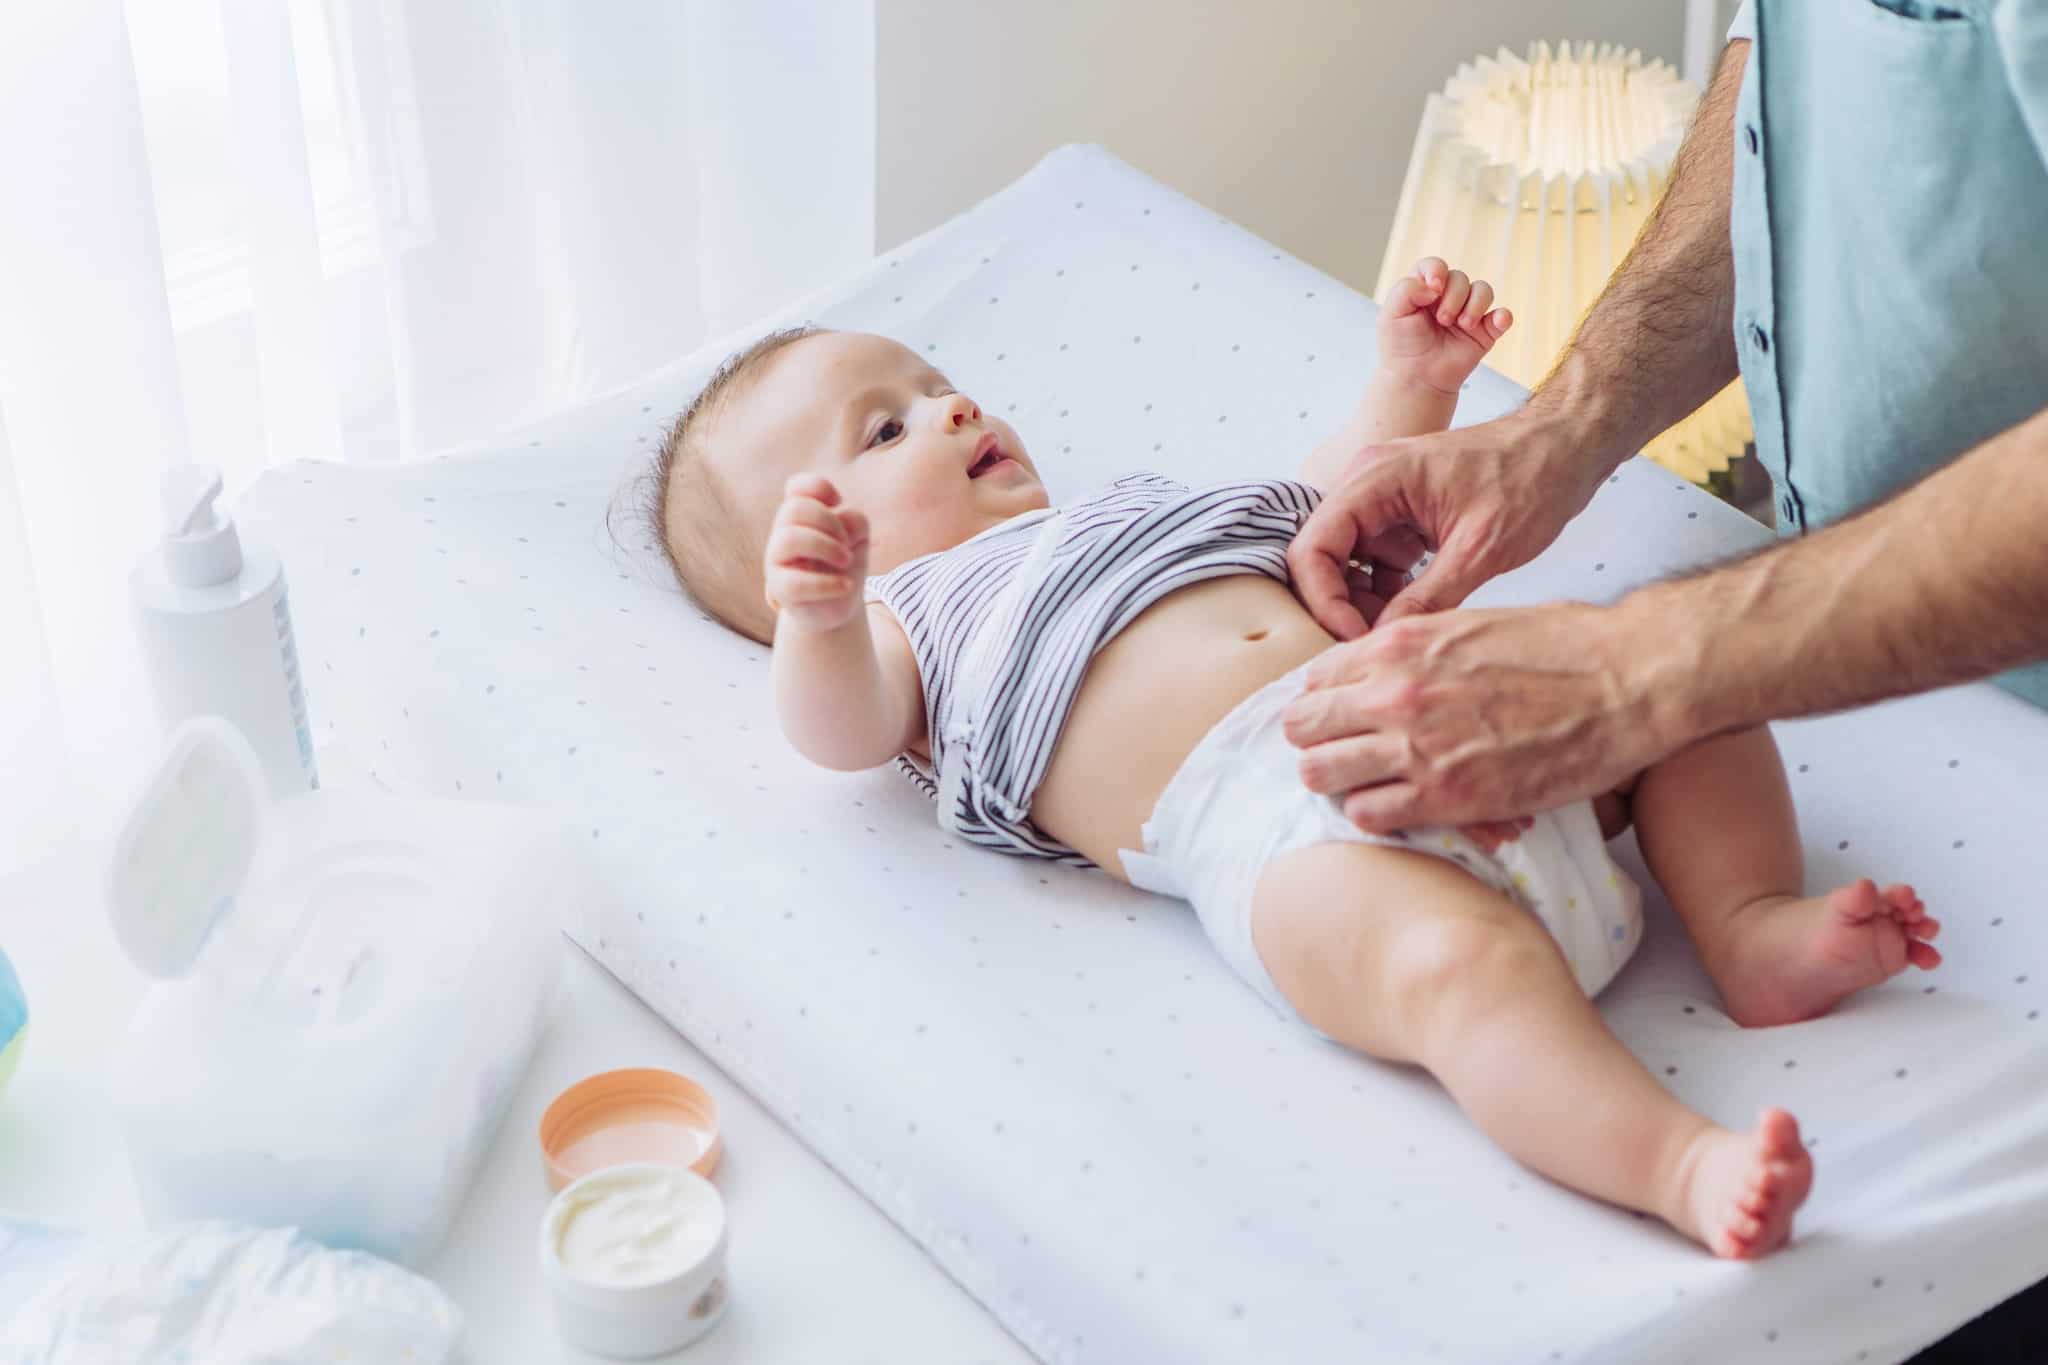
column 1537, row 173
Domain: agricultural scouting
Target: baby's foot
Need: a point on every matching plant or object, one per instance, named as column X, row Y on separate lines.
column 1741, row 1189
column 1797, row 959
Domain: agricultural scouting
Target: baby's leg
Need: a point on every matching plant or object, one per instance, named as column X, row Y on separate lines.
column 1717, row 830
column 1409, row 959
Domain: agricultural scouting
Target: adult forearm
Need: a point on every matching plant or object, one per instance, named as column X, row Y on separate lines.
column 1659, row 340
column 1945, row 583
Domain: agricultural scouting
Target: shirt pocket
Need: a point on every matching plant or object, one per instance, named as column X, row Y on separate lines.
column 1916, row 14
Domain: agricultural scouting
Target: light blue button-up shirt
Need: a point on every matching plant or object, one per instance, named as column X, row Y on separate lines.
column 1890, row 232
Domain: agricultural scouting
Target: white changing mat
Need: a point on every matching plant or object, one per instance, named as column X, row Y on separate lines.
column 1049, row 1079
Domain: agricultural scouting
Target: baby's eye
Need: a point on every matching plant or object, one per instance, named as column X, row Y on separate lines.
column 886, row 433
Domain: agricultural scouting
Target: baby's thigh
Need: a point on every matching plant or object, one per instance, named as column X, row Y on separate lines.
column 1373, row 944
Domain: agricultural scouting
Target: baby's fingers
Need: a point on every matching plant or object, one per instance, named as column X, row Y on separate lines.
column 807, row 547
column 808, row 512
column 855, row 525
column 1457, row 288
column 1486, row 328
column 816, row 488
column 811, row 486
column 807, row 587
column 1409, row 295
column 1476, row 306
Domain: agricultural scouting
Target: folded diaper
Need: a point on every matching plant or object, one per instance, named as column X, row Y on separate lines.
column 214, row 1292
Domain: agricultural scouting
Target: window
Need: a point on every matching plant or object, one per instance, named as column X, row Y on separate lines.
column 187, row 113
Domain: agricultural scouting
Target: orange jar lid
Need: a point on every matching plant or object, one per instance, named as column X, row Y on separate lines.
column 638, row 1114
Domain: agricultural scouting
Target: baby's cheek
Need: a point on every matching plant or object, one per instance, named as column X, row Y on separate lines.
column 924, row 517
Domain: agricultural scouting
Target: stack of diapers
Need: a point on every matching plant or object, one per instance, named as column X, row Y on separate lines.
column 1049, row 1079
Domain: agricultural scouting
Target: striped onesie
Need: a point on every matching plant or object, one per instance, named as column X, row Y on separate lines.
column 1004, row 625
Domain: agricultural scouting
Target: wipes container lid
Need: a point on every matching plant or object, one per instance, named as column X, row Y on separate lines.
column 184, row 851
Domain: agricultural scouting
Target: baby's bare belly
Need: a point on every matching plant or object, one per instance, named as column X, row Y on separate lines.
column 1153, row 692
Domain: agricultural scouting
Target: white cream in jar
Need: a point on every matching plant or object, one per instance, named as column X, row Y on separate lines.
column 635, row 1258
column 632, row 1225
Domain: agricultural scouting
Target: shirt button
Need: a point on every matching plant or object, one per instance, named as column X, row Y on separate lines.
column 1752, row 139
column 1759, row 338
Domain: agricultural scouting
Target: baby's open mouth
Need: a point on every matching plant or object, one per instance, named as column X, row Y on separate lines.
column 986, row 458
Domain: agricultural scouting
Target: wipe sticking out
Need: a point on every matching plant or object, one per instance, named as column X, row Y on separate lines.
column 351, row 985
column 212, row 1292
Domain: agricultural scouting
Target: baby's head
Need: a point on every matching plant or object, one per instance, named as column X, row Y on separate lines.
column 926, row 464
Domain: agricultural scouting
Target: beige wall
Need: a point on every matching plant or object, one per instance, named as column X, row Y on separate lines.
column 1294, row 117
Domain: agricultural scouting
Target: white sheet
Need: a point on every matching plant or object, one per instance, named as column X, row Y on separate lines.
column 1049, row 1079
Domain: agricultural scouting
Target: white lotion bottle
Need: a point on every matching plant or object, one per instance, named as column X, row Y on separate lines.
column 216, row 631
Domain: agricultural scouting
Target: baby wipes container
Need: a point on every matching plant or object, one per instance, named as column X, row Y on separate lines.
column 349, row 988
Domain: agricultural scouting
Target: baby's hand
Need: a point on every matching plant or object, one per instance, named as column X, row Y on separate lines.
column 1435, row 326
column 817, row 559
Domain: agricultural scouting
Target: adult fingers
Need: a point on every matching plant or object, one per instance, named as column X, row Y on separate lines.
column 1341, row 765
column 1386, row 808
column 1366, row 597
column 1333, row 703
column 1451, row 577
column 1399, row 548
column 1317, row 561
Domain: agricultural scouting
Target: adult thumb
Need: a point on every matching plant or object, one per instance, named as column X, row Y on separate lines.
column 1451, row 577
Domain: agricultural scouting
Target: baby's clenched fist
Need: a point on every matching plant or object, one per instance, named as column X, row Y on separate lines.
column 1436, row 325
column 816, row 562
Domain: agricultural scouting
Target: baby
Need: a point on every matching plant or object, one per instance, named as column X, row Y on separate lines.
column 1103, row 683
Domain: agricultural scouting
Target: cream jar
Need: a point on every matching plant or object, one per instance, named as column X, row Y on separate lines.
column 634, row 1256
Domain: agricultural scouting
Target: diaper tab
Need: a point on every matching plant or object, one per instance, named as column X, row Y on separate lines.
column 1149, row 872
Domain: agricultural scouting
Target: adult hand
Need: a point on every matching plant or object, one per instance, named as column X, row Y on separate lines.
column 1486, row 499
column 1478, row 715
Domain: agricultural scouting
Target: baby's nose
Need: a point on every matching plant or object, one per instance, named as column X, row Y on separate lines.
column 962, row 411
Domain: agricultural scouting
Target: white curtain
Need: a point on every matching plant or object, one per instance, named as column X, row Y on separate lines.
column 252, row 231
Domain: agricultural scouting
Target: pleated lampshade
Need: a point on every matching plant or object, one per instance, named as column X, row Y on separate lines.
column 1537, row 173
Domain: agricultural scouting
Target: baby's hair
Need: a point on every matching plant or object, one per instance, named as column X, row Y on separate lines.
column 715, row 556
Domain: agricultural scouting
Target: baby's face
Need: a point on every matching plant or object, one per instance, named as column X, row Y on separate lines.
column 926, row 464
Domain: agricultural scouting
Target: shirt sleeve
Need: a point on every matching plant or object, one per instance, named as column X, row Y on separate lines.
column 2022, row 32
column 1744, row 26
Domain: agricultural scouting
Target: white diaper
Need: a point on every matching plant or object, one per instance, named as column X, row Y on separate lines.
column 1238, row 803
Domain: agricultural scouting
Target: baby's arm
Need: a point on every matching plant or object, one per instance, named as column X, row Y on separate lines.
column 847, row 691
column 1435, row 327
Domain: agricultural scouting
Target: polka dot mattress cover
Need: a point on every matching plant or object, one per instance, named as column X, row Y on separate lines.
column 1049, row 1079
